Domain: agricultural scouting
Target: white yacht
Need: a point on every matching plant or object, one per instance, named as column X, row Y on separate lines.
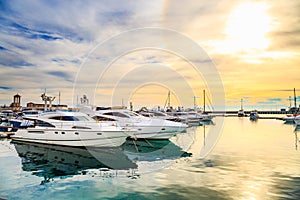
column 150, row 128
column 70, row 129
column 191, row 118
column 159, row 115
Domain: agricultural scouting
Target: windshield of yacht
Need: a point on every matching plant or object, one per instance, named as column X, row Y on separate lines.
column 70, row 118
column 117, row 114
column 131, row 113
column 159, row 114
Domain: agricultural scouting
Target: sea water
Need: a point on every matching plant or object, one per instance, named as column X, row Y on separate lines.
column 251, row 160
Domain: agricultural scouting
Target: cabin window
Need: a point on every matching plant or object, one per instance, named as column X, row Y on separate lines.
column 43, row 124
column 38, row 132
column 80, row 127
column 99, row 118
column 62, row 132
column 118, row 114
column 70, row 118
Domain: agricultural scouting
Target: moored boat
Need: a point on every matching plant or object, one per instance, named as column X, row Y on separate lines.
column 70, row 129
column 254, row 115
column 150, row 128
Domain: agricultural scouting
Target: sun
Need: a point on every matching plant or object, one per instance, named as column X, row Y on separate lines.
column 247, row 28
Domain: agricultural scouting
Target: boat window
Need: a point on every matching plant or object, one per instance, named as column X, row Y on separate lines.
column 100, row 118
column 159, row 114
column 131, row 113
column 118, row 114
column 80, row 127
column 34, row 131
column 30, row 112
column 82, row 118
column 70, row 118
column 43, row 123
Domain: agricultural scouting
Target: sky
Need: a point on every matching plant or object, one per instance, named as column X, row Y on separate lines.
column 118, row 52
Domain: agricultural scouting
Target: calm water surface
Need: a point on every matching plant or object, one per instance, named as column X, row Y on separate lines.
column 252, row 160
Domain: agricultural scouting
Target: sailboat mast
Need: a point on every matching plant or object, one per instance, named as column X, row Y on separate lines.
column 59, row 98
column 295, row 98
column 169, row 99
column 241, row 104
column 204, row 101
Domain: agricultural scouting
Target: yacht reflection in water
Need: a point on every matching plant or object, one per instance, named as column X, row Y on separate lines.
column 152, row 150
column 50, row 161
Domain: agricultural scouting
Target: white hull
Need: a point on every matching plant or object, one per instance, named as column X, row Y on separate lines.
column 154, row 132
column 71, row 137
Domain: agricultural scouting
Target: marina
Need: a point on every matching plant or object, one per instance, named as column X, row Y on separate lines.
column 255, row 160
column 149, row 100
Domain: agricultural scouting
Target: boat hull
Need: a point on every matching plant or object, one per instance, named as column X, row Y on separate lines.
column 76, row 138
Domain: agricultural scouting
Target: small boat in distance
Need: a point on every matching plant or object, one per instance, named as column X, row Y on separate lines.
column 70, row 129
column 254, row 115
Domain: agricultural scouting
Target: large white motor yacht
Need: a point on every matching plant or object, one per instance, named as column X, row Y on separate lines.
column 71, row 129
column 150, row 128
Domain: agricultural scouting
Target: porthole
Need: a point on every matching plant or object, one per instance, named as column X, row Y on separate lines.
column 76, row 133
column 56, row 132
column 62, row 132
column 99, row 133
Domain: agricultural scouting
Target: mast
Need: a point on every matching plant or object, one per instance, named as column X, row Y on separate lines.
column 59, row 98
column 169, row 99
column 204, row 101
column 295, row 98
column 195, row 103
column 241, row 104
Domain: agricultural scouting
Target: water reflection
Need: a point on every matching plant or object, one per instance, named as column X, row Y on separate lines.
column 297, row 129
column 152, row 150
column 49, row 161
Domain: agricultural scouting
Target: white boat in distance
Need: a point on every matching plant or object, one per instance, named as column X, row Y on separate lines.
column 70, row 129
column 148, row 128
column 159, row 115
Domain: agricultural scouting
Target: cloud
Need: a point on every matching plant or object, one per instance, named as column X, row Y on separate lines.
column 41, row 40
column 275, row 99
column 61, row 74
column 5, row 88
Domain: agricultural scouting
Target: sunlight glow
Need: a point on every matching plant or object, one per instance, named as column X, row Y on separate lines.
column 247, row 29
